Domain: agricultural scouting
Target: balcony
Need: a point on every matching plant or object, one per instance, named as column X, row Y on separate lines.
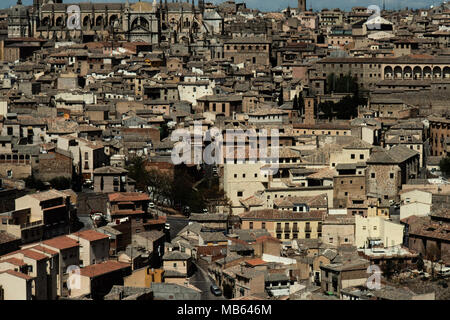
column 307, row 229
column 31, row 224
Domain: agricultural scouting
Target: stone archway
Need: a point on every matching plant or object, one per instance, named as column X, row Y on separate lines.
column 99, row 21
column 407, row 72
column 140, row 22
column 427, row 72
column 398, row 72
column 113, row 19
column 45, row 22
column 59, row 22
column 86, row 22
column 417, row 72
column 388, row 72
column 446, row 73
column 437, row 73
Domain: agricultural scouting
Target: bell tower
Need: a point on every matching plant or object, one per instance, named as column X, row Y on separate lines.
column 309, row 110
column 301, row 5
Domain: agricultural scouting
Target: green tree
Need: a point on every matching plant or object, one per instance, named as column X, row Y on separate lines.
column 433, row 255
column 61, row 183
column 160, row 185
column 342, row 84
column 280, row 97
column 327, row 108
column 295, row 105
column 301, row 103
column 137, row 172
column 32, row 183
column 164, row 131
column 420, row 264
column 389, row 268
column 444, row 164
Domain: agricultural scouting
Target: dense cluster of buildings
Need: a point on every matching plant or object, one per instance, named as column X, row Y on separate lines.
column 360, row 104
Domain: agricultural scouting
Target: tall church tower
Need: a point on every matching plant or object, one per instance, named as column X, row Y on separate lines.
column 301, row 5
column 18, row 21
column 309, row 110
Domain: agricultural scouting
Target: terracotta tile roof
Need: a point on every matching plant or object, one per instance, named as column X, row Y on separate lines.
column 14, row 261
column 33, row 254
column 325, row 173
column 44, row 250
column 28, row 253
column 18, row 274
column 61, row 243
column 272, row 214
column 159, row 220
column 128, row 196
column 126, row 212
column 267, row 238
column 99, row 269
column 47, row 195
column 252, row 201
column 318, row 201
column 90, row 235
column 237, row 241
column 255, row 262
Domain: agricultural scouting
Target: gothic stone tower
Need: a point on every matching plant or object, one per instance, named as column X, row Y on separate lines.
column 18, row 21
column 301, row 5
column 309, row 110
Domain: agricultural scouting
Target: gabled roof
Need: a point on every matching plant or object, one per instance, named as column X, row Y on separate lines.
column 61, row 243
column 176, row 255
column 396, row 155
column 128, row 196
column 18, row 274
column 90, row 235
column 193, row 227
column 99, row 269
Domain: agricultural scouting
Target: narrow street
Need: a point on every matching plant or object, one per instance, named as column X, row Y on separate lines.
column 201, row 280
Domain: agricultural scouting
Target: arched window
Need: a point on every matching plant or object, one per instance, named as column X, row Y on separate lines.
column 99, row 21
column 59, row 22
column 86, row 21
